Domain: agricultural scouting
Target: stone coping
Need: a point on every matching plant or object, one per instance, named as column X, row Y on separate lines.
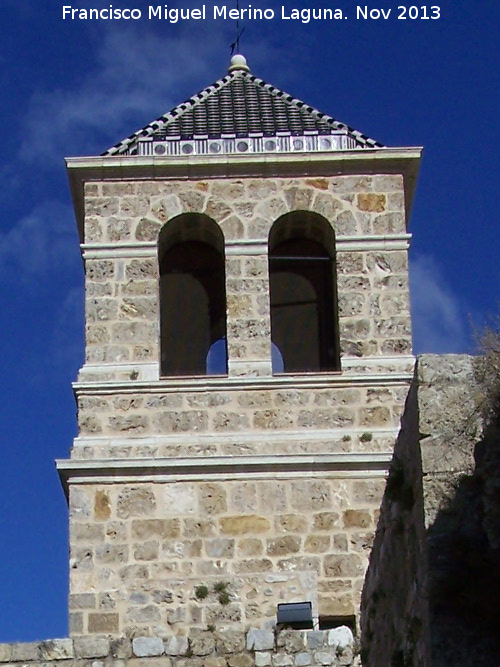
column 217, row 647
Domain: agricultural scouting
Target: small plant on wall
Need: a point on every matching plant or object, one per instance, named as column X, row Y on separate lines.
column 201, row 592
column 219, row 590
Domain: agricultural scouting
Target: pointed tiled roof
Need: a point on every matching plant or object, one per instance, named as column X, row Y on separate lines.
column 241, row 106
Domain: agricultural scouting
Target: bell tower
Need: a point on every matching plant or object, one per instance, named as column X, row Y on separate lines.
column 248, row 354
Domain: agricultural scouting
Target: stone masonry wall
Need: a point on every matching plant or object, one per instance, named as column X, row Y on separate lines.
column 141, row 554
column 213, row 648
column 193, row 420
column 122, row 223
column 143, row 542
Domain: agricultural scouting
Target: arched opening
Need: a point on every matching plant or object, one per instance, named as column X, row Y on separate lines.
column 192, row 297
column 303, row 293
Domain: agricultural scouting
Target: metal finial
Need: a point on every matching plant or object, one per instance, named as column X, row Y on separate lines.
column 238, row 62
column 235, row 46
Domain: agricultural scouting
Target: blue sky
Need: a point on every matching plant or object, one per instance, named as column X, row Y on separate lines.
column 77, row 87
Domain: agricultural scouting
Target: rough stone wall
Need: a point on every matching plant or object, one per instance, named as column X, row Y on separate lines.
column 394, row 606
column 141, row 552
column 214, row 648
column 460, row 455
column 435, row 593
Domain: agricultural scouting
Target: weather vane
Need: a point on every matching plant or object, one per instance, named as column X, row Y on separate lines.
column 236, row 44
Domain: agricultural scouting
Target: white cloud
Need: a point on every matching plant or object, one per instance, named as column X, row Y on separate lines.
column 134, row 77
column 67, row 340
column 439, row 322
column 137, row 77
column 42, row 241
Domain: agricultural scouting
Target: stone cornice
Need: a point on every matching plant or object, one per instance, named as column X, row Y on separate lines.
column 213, row 383
column 112, row 471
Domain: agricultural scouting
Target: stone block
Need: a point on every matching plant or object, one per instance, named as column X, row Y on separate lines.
column 242, row 525
column 253, row 565
column 103, row 623
column 145, row 614
column 304, row 563
column 371, row 202
column 250, row 547
column 87, row 532
column 176, row 646
column 200, row 528
column 326, row 521
column 163, row 528
column 121, row 648
column 176, row 616
column 135, row 501
column 147, row 230
column 201, row 642
column 357, row 519
column 230, row 641
column 82, row 601
column 340, row 605
column 282, row 546
column 340, row 637
column 260, row 640
column 212, row 498
column 243, row 497
column 147, row 646
column 129, row 423
column 282, row 660
column 302, row 659
column 29, row 651
column 118, row 229
column 147, row 662
column 241, row 660
column 368, row 491
column 324, row 658
column 102, row 506
column 139, row 269
column 91, row 647
column 111, row 553
column 262, row 659
column 99, row 270
column 147, row 550
column 181, row 421
column 316, row 544
column 217, row 614
column 316, row 639
column 290, row 523
column 220, row 548
column 292, row 641
column 310, row 495
column 340, row 565
column 214, row 661
column 76, row 623
column 5, row 652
